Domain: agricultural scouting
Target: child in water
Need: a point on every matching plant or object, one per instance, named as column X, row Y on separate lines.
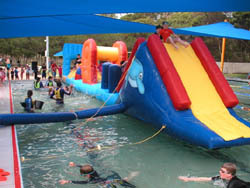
column 58, row 93
column 28, row 102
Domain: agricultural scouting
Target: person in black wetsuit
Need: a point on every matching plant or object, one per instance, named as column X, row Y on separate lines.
column 94, row 178
column 226, row 179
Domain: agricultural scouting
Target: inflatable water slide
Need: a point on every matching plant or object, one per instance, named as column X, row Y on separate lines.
column 184, row 90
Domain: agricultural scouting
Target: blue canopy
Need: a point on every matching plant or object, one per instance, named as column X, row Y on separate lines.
column 68, row 25
column 40, row 8
column 22, row 18
column 59, row 54
column 221, row 29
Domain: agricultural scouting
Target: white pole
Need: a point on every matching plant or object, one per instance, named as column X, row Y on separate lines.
column 47, row 52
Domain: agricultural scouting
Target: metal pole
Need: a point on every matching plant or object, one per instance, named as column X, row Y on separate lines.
column 47, row 52
column 223, row 52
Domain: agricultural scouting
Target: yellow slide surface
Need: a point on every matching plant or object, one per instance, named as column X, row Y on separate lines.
column 207, row 105
column 72, row 74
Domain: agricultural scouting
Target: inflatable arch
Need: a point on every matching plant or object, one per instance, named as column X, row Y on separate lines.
column 91, row 54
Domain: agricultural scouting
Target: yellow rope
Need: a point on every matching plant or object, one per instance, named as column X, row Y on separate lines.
column 235, row 86
column 23, row 159
column 98, row 148
column 140, row 142
column 90, row 118
column 239, row 86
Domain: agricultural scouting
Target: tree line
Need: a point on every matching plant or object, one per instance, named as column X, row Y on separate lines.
column 236, row 50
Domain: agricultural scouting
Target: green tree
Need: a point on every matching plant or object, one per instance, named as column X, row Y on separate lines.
column 236, row 50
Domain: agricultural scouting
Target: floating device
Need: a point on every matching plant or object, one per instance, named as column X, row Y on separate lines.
column 37, row 104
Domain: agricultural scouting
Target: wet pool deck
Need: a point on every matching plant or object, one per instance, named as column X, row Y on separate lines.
column 9, row 154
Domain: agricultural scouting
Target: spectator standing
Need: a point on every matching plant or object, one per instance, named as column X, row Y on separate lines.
column 53, row 68
column 16, row 73
column 8, row 64
column 2, row 75
column 7, row 74
column 12, row 72
column 44, row 71
column 60, row 71
column 28, row 71
column 18, row 63
column 22, row 72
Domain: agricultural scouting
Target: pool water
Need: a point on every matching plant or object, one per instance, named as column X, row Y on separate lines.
column 48, row 148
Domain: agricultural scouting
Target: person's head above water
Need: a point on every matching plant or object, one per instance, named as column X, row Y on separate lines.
column 86, row 169
column 59, row 84
column 227, row 171
column 29, row 93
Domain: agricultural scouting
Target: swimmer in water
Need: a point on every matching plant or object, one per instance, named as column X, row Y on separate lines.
column 93, row 177
column 227, row 178
column 245, row 108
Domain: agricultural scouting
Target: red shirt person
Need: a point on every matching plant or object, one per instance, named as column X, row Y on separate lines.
column 60, row 71
column 168, row 36
column 53, row 68
column 165, row 33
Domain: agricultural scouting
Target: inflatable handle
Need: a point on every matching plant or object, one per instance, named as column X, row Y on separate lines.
column 168, row 73
column 122, row 52
column 89, row 62
column 216, row 76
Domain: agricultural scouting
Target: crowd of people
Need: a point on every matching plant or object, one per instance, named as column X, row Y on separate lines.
column 17, row 71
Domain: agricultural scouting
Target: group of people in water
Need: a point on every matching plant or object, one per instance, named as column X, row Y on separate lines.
column 57, row 93
column 227, row 178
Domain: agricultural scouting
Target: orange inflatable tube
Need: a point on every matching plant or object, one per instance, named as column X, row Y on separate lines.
column 122, row 52
column 92, row 53
column 89, row 62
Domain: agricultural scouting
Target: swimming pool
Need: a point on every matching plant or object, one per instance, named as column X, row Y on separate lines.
column 48, row 148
